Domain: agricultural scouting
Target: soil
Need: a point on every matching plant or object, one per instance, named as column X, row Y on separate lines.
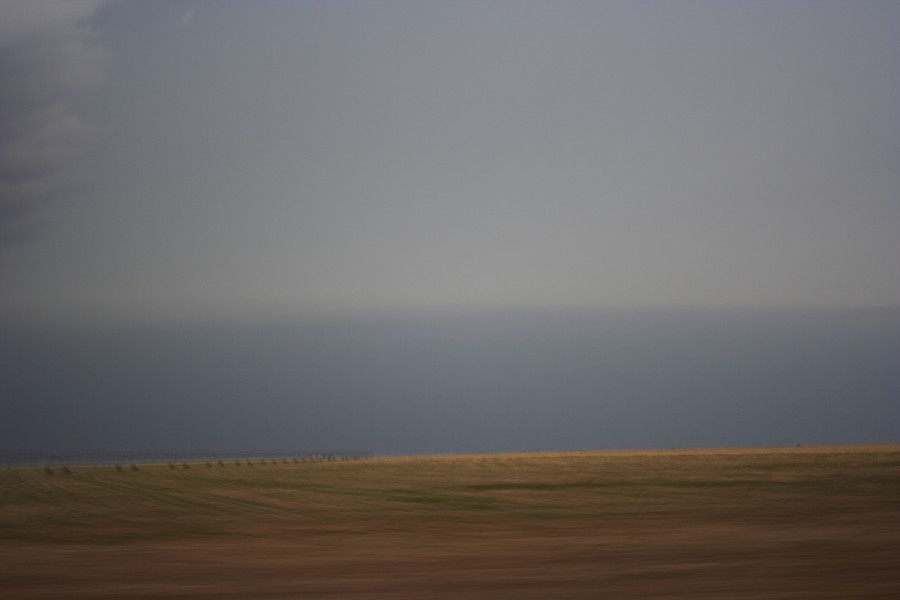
column 843, row 558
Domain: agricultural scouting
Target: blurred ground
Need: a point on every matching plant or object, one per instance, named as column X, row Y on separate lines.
column 780, row 525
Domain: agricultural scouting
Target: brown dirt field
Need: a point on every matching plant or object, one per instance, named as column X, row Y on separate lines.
column 732, row 524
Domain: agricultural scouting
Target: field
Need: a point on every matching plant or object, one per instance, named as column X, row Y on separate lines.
column 774, row 523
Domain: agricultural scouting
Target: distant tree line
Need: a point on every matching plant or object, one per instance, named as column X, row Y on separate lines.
column 101, row 457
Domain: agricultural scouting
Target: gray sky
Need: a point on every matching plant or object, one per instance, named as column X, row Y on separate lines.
column 448, row 226
column 469, row 381
column 190, row 159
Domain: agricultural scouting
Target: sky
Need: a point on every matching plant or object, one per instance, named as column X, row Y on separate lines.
column 443, row 178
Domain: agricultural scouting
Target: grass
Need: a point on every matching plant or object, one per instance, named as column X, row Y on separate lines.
column 95, row 501
column 789, row 503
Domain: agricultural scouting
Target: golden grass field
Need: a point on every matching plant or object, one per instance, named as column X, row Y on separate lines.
column 773, row 523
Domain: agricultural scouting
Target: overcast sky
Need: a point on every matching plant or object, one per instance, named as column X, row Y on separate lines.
column 189, row 158
column 423, row 225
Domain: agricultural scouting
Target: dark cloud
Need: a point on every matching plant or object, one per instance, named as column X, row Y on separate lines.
column 47, row 57
column 462, row 381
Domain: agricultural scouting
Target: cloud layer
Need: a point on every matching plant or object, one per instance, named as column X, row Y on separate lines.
column 47, row 57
